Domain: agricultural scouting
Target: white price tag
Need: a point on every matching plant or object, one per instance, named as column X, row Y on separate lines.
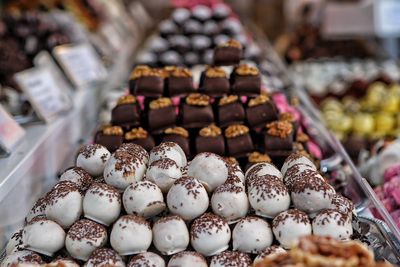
column 81, row 63
column 40, row 86
column 10, row 131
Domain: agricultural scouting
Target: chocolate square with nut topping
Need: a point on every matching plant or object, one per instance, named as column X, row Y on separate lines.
column 238, row 141
column 246, row 80
column 126, row 115
column 210, row 139
column 229, row 53
column 161, row 115
column 214, row 82
column 196, row 111
column 260, row 111
column 230, row 111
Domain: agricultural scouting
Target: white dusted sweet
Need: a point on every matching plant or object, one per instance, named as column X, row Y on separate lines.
column 79, row 176
column 289, row 226
column 163, row 172
column 43, row 236
column 143, row 198
column 136, row 151
column 15, row 242
column 332, row 223
column 104, row 257
column 22, row 256
column 169, row 150
column 251, row 235
column 296, row 158
column 260, row 169
column 230, row 202
column 64, row 203
column 128, row 228
column 38, row 209
column 146, row 259
column 92, row 158
column 187, row 258
column 102, row 203
column 170, row 235
column 84, row 237
column 229, row 258
column 210, row 234
column 187, row 198
column 269, row 252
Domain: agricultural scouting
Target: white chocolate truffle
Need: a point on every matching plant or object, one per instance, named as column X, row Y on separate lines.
column 122, row 169
column 64, row 203
column 170, row 235
column 136, row 151
column 104, row 257
column 79, row 176
column 268, row 253
column 230, row 202
column 298, row 171
column 296, row 158
column 310, row 194
column 229, row 258
column 15, row 242
column 234, row 169
column 102, row 203
column 187, row 198
column 187, row 258
column 43, row 236
column 143, row 198
column 128, row 228
column 38, row 209
column 92, row 158
column 163, row 172
column 251, row 235
column 210, row 234
column 260, row 169
column 210, row 169
column 342, row 204
column 168, row 150
column 146, row 259
column 268, row 196
column 84, row 237
column 289, row 226
column 332, row 223
column 22, row 256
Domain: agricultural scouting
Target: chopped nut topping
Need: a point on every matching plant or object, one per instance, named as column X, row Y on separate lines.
column 287, row 116
column 231, row 160
column 113, row 130
column 246, row 70
column 280, row 129
column 232, row 43
column 141, row 71
column 161, row 102
column 196, row 99
column 228, row 100
column 257, row 157
column 136, row 133
column 177, row 130
column 216, row 72
column 236, row 130
column 126, row 99
column 180, row 72
column 210, row 131
column 302, row 137
column 261, row 99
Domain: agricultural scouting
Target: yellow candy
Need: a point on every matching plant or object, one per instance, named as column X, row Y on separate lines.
column 363, row 123
column 331, row 104
column 391, row 103
column 375, row 95
column 384, row 122
column 394, row 89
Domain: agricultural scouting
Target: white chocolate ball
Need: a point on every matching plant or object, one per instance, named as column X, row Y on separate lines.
column 84, row 237
column 229, row 258
column 297, row 171
column 187, row 258
column 104, row 257
column 163, row 172
column 230, row 202
column 128, row 228
column 38, row 209
column 262, row 168
column 210, row 169
column 79, row 176
column 92, row 158
column 64, row 203
column 296, row 158
column 15, row 242
column 122, row 169
column 332, row 223
column 210, row 234
column 168, row 150
column 289, row 226
column 143, row 198
column 268, row 253
column 136, row 151
column 170, row 235
column 102, row 203
column 252, row 235
column 43, row 236
column 146, row 259
column 187, row 198
column 22, row 256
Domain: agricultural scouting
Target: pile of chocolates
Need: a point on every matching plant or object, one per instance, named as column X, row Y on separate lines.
column 189, row 36
column 132, row 208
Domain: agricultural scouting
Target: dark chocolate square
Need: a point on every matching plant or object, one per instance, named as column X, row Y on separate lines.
column 246, row 85
column 229, row 114
column 180, row 86
column 111, row 142
column 126, row 115
column 160, row 119
column 147, row 143
column 196, row 116
column 182, row 141
column 275, row 143
column 149, row 86
column 214, row 144
column 239, row 146
column 227, row 55
column 258, row 116
column 218, row 86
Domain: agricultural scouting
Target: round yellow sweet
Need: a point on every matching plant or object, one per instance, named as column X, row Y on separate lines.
column 363, row 123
